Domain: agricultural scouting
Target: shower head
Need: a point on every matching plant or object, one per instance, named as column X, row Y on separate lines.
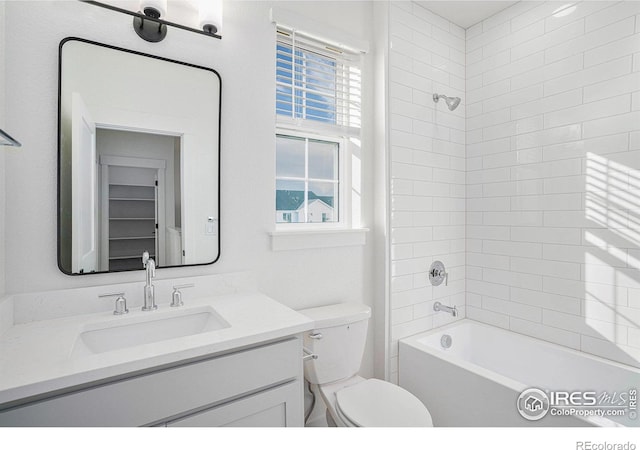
column 452, row 102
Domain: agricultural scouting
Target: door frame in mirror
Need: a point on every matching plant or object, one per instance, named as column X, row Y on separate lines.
column 59, row 159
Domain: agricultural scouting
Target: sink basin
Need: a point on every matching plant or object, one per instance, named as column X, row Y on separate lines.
column 146, row 328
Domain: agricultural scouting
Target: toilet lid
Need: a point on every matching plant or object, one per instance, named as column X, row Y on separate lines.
column 377, row 403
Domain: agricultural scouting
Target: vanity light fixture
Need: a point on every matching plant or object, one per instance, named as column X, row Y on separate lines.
column 151, row 31
column 5, row 139
column 150, row 24
column 210, row 16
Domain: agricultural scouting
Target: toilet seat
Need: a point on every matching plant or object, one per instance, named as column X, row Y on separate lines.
column 377, row 403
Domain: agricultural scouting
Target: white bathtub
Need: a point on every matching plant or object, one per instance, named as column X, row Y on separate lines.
column 477, row 381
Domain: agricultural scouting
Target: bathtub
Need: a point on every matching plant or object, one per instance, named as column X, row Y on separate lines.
column 478, row 379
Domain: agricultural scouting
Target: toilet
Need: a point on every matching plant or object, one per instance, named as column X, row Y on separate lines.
column 338, row 339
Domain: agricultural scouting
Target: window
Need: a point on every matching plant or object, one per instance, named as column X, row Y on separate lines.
column 318, row 112
column 307, row 180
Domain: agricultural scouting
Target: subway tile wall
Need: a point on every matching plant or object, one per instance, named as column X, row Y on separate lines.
column 553, row 174
column 427, row 55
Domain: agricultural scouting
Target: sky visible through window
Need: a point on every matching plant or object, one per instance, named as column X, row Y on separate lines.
column 306, row 89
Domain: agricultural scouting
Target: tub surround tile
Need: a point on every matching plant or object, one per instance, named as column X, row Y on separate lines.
column 563, row 216
column 429, row 166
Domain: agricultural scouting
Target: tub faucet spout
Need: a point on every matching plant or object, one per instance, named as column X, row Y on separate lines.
column 437, row 306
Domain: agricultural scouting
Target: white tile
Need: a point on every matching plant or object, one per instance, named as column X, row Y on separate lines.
column 634, row 140
column 514, row 97
column 489, row 119
column 612, row 125
column 546, row 235
column 524, row 65
column 473, row 31
column 560, row 218
column 580, row 10
column 589, row 111
column 538, row 13
column 488, row 289
column 619, row 315
column 591, row 40
column 488, row 261
column 529, row 155
column 527, row 249
column 564, row 185
column 429, row 17
column 546, row 268
column 613, row 50
column 612, row 87
column 547, row 40
column 591, row 75
column 410, row 297
column 512, row 309
column 529, row 124
column 401, row 315
column 473, row 57
column 488, row 175
column 488, row 91
column 400, row 123
column 499, row 160
column 507, row 14
column 548, row 72
column 551, row 334
column 554, row 202
column 599, row 146
column 523, row 35
column 615, row 13
column 492, row 35
column 498, row 189
column 489, row 317
column 566, row 167
column 550, row 136
column 514, row 218
column 487, row 148
column 547, row 301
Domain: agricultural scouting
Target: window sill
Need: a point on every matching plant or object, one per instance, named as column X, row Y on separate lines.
column 308, row 239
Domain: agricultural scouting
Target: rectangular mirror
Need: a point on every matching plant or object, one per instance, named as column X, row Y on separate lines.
column 138, row 160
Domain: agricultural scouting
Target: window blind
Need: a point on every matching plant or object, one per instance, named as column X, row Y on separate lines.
column 317, row 84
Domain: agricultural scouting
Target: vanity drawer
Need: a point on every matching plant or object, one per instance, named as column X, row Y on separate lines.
column 153, row 397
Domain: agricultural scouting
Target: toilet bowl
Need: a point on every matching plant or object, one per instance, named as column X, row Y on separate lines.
column 338, row 340
column 360, row 402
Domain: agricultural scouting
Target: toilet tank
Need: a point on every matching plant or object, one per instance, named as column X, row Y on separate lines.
column 338, row 338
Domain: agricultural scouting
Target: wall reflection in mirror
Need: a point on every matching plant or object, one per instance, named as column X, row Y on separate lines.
column 138, row 160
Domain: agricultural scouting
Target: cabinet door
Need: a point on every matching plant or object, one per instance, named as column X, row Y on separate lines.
column 277, row 407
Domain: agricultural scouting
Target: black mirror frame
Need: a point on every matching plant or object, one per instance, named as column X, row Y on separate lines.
column 59, row 169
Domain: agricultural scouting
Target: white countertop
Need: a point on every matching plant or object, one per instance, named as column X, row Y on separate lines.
column 36, row 357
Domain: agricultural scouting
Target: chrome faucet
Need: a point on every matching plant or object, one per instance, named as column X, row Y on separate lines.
column 437, row 306
column 149, row 293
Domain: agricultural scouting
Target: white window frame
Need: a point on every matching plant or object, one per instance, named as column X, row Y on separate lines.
column 344, row 180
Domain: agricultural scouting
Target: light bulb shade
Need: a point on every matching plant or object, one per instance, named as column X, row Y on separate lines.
column 210, row 16
column 160, row 6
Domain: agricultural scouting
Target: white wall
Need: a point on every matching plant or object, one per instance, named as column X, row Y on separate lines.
column 2, row 150
column 553, row 175
column 427, row 169
column 245, row 59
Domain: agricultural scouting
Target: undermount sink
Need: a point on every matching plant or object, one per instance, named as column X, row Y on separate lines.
column 146, row 328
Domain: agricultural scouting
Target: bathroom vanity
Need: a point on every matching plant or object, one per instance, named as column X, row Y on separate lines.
column 238, row 362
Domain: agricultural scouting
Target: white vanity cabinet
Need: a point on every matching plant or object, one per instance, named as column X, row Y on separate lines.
column 256, row 386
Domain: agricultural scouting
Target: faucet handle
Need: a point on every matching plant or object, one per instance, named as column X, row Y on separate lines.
column 145, row 258
column 176, row 297
column 121, row 303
